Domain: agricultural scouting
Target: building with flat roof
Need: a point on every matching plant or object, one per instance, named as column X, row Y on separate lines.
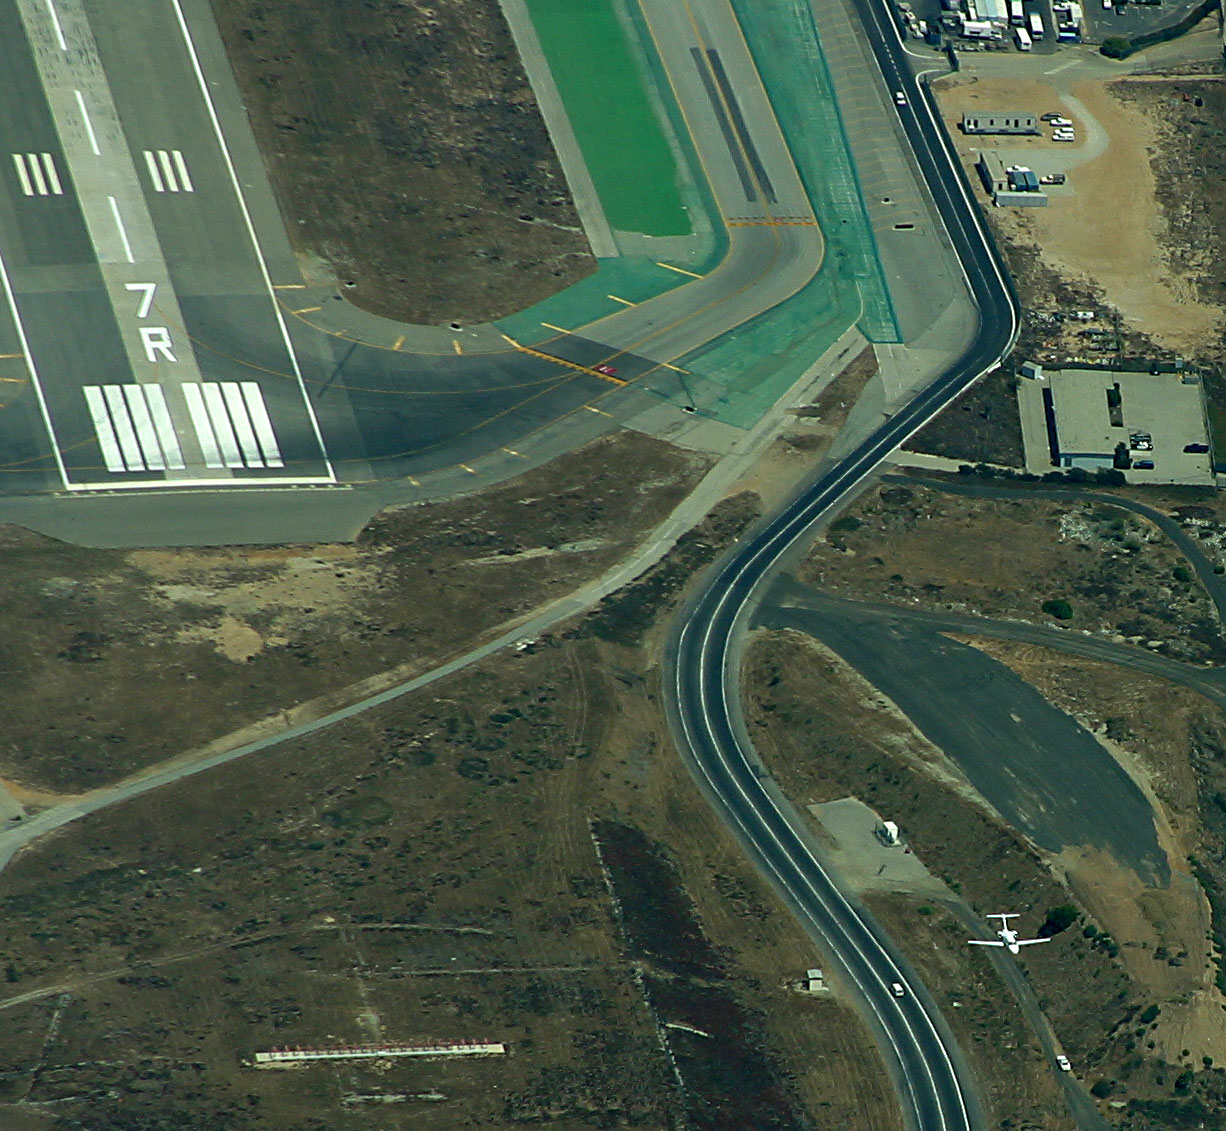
column 1150, row 426
column 1015, row 185
column 1002, row 122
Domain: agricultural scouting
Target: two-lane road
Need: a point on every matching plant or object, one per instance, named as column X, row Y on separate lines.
column 702, row 684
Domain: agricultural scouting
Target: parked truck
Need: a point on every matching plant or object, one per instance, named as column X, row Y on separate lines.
column 1017, row 13
column 1036, row 26
column 1021, row 37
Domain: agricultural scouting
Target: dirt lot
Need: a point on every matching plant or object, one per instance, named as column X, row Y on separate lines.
column 99, row 646
column 431, row 184
column 1017, row 559
column 1126, row 992
column 1126, row 258
column 1137, row 237
column 430, row 871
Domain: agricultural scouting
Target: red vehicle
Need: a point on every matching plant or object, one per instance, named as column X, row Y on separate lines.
column 607, row 370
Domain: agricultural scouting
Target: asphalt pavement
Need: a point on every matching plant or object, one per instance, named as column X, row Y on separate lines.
column 1038, row 768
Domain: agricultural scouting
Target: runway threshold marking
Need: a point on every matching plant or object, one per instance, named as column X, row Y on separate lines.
column 563, row 362
column 679, row 270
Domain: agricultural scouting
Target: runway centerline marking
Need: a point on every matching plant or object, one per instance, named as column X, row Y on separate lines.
column 55, row 21
column 89, row 126
column 123, row 234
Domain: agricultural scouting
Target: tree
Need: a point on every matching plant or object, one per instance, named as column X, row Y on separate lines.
column 1116, row 47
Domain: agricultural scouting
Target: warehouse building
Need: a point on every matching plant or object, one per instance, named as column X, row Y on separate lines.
column 1150, row 426
column 977, row 122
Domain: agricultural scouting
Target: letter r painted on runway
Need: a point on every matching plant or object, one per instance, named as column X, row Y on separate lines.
column 157, row 341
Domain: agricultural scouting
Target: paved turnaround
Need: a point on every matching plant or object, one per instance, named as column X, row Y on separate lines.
column 701, row 678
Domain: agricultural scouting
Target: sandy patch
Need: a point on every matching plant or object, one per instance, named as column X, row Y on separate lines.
column 1109, row 230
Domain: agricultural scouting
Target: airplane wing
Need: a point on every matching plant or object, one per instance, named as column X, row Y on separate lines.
column 1030, row 942
column 986, row 942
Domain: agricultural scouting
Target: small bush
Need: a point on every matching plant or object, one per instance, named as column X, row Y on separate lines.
column 1059, row 919
column 1059, row 608
column 1149, row 1014
column 1182, row 574
column 1116, row 47
column 846, row 524
column 1102, row 1089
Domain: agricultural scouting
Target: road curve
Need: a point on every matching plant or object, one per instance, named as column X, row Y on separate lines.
column 701, row 679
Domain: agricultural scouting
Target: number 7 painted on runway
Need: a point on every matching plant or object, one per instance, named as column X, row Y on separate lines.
column 149, row 290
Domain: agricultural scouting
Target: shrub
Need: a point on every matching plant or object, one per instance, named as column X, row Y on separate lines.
column 1059, row 608
column 1182, row 574
column 1102, row 1089
column 1059, row 919
column 1116, row 47
column 1149, row 1013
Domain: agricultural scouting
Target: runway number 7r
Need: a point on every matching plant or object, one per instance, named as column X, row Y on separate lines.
column 156, row 339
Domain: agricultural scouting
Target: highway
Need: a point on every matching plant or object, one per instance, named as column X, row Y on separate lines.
column 701, row 677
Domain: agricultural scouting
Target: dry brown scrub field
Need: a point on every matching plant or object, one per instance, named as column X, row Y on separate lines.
column 407, row 154
column 115, row 660
column 1006, row 558
column 430, row 871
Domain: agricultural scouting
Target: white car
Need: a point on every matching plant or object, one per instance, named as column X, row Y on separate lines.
column 900, row 99
column 896, row 989
column 1059, row 122
column 1064, row 137
column 1062, row 1061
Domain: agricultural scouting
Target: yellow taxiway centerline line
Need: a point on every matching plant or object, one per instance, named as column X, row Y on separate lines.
column 679, row 270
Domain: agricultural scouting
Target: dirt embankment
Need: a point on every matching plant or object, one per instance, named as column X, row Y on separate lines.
column 103, row 648
column 407, row 153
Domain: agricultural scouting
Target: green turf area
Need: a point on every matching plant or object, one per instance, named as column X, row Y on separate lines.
column 618, row 131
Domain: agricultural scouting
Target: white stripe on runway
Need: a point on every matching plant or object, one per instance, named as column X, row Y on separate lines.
column 145, row 433
column 155, row 176
column 242, row 424
column 181, row 166
column 168, row 172
column 165, row 427
column 19, row 161
column 103, row 429
column 262, row 424
column 53, row 178
column 36, row 173
column 200, row 421
column 123, row 427
column 222, row 428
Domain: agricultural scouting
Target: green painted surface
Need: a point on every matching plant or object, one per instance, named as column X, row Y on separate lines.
column 783, row 40
column 634, row 279
column 622, row 140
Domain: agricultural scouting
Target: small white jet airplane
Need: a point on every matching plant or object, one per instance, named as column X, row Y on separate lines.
column 1006, row 936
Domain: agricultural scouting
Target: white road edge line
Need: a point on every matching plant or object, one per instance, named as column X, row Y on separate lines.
column 123, row 234
column 89, row 126
column 255, row 243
